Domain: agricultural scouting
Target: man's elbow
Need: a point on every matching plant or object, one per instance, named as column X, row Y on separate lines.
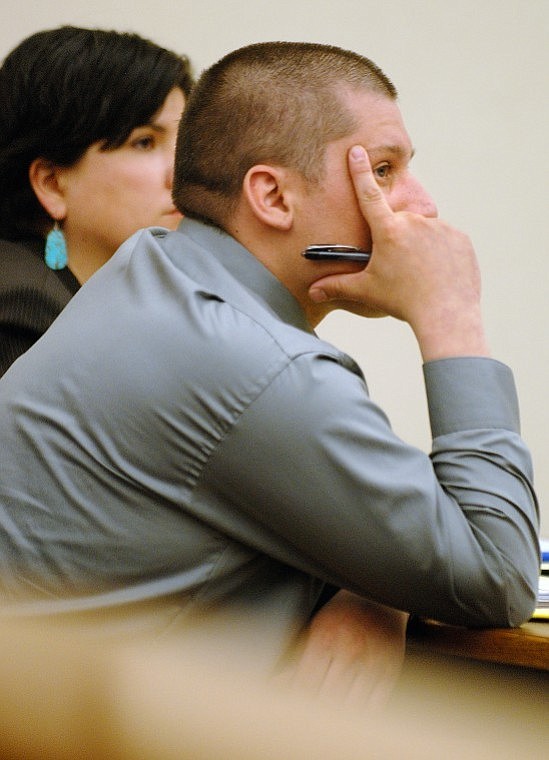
column 518, row 598
column 521, row 605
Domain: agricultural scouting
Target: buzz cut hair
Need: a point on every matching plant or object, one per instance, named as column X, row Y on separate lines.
column 278, row 103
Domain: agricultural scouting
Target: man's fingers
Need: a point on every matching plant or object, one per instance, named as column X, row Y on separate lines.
column 372, row 202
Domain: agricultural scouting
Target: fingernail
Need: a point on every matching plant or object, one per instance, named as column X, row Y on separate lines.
column 317, row 295
column 357, row 152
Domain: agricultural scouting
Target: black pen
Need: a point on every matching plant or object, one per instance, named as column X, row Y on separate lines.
column 336, row 252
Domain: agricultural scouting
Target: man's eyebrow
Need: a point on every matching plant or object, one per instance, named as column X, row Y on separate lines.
column 397, row 150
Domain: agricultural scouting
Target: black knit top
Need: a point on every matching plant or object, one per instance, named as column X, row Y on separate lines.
column 31, row 296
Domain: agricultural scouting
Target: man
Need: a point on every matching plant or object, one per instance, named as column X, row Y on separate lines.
column 181, row 433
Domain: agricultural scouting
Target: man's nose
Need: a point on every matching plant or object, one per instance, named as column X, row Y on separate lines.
column 413, row 197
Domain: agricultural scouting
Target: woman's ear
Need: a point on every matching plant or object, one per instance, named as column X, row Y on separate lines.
column 44, row 180
column 268, row 193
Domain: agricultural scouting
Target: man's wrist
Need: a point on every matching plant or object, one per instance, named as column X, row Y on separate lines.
column 451, row 335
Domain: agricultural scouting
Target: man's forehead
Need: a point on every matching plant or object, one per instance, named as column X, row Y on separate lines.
column 375, row 111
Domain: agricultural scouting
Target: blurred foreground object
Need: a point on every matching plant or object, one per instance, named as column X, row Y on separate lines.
column 66, row 696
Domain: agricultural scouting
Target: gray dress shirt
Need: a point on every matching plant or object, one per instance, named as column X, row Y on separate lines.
column 180, row 433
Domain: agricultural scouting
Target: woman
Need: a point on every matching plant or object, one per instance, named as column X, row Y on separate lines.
column 87, row 135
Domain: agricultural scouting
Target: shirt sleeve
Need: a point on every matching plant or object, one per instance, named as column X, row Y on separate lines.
column 313, row 475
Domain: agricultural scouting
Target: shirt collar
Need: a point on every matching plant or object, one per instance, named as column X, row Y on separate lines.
column 248, row 270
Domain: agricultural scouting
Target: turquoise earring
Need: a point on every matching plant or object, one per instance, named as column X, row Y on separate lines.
column 55, row 253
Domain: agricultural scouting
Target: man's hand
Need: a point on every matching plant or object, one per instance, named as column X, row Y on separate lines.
column 422, row 271
column 351, row 653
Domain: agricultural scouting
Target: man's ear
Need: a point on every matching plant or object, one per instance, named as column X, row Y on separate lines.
column 44, row 180
column 269, row 197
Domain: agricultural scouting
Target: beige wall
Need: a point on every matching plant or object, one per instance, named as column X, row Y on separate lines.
column 473, row 81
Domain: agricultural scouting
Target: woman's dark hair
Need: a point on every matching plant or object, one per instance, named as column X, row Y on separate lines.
column 62, row 90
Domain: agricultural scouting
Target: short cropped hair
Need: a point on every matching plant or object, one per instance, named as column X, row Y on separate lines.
column 271, row 102
column 64, row 89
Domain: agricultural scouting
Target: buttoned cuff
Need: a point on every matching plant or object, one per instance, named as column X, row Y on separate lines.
column 465, row 393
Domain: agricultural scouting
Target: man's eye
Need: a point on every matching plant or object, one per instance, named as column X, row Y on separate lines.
column 382, row 171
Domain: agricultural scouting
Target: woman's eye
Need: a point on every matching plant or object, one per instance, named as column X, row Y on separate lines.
column 145, row 142
column 382, row 171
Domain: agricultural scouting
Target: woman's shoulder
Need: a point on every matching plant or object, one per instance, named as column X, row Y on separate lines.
column 22, row 268
column 31, row 297
column 18, row 260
